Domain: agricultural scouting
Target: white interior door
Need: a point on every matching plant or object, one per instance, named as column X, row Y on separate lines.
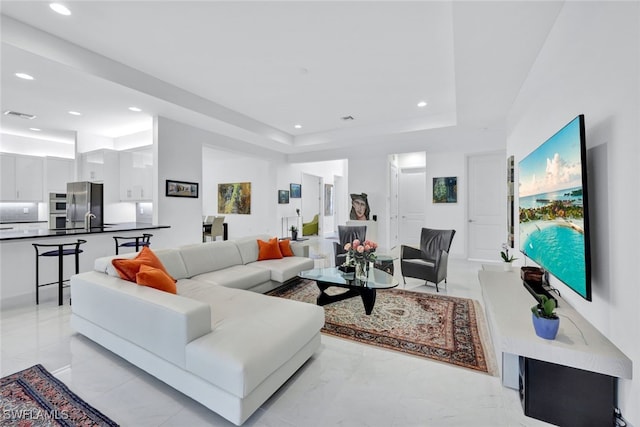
column 487, row 209
column 393, row 206
column 412, row 196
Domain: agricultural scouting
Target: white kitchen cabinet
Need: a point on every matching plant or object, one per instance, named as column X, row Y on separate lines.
column 22, row 178
column 136, row 175
column 58, row 173
column 8, row 182
column 92, row 166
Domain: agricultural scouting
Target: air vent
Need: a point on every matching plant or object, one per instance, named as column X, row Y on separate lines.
column 21, row 115
column 348, row 118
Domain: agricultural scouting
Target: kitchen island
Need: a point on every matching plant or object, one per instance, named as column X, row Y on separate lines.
column 17, row 257
column 35, row 233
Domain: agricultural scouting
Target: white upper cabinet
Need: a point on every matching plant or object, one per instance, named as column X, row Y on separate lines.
column 136, row 175
column 22, row 178
column 59, row 172
column 92, row 166
column 8, row 182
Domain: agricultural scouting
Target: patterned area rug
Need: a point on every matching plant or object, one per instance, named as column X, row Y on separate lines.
column 438, row 327
column 34, row 397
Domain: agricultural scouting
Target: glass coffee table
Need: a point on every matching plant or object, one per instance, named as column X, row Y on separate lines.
column 365, row 288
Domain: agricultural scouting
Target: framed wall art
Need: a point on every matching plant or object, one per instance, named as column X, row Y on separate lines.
column 445, row 189
column 181, row 189
column 234, row 198
column 283, row 197
column 295, row 191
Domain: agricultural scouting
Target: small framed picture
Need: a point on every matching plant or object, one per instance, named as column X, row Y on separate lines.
column 295, row 190
column 283, row 197
column 445, row 189
column 181, row 189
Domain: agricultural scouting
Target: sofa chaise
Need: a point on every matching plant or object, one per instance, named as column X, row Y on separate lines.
column 215, row 341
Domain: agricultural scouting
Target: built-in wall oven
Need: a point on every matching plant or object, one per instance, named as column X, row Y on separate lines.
column 57, row 210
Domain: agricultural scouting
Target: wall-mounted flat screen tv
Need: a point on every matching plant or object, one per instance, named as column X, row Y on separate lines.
column 554, row 221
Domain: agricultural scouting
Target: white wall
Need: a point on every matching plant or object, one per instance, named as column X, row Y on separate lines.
column 448, row 215
column 590, row 65
column 134, row 140
column 221, row 167
column 86, row 142
column 267, row 176
column 178, row 156
column 369, row 173
column 17, row 144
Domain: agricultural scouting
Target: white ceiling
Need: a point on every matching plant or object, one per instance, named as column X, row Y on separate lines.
column 252, row 70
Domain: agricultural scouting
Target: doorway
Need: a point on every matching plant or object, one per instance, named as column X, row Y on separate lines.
column 412, row 196
column 312, row 199
column 393, row 206
column 487, row 209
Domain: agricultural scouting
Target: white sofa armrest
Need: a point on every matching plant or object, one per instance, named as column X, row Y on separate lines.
column 157, row 321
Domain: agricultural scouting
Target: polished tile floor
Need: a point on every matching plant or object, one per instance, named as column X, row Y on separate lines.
column 343, row 384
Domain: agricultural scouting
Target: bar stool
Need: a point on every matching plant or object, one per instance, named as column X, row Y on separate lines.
column 62, row 250
column 136, row 242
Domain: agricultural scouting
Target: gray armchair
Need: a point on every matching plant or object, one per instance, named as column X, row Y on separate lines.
column 347, row 234
column 430, row 261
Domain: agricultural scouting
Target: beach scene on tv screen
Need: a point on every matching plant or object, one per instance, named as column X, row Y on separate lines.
column 551, row 207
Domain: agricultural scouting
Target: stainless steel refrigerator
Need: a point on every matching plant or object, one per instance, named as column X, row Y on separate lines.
column 83, row 198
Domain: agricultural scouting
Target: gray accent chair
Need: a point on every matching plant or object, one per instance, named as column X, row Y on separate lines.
column 430, row 261
column 346, row 234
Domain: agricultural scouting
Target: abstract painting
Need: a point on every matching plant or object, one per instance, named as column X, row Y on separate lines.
column 283, row 197
column 445, row 190
column 234, row 198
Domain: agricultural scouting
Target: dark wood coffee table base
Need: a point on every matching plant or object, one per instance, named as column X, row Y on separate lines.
column 368, row 295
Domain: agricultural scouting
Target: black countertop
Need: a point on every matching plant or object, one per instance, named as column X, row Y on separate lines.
column 22, row 222
column 43, row 232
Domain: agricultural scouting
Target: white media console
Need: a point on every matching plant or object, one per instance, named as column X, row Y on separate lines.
column 579, row 358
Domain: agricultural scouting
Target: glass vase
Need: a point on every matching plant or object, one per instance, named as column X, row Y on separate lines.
column 362, row 270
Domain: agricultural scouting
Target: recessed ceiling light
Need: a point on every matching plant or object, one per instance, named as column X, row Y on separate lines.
column 75, row 113
column 24, row 76
column 60, row 8
column 35, row 129
column 297, row 126
column 136, row 109
column 422, row 104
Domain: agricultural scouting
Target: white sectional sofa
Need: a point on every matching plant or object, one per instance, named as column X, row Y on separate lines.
column 224, row 346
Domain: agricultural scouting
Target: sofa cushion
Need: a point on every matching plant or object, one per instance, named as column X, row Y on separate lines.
column 237, row 276
column 269, row 250
column 128, row 268
column 253, row 336
column 155, row 278
column 284, row 269
column 211, row 256
column 285, row 247
column 248, row 247
column 170, row 258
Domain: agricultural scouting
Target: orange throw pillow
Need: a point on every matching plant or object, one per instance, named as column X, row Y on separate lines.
column 156, row 278
column 269, row 250
column 128, row 268
column 285, row 247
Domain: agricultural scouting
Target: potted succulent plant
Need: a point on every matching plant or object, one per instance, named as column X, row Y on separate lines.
column 545, row 320
column 294, row 232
